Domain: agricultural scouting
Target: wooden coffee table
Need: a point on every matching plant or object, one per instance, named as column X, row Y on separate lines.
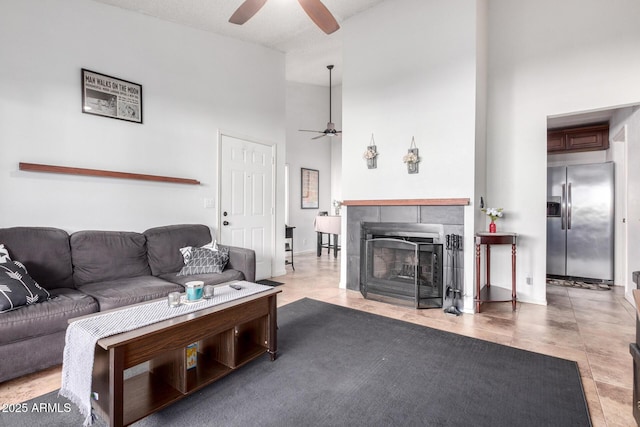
column 229, row 335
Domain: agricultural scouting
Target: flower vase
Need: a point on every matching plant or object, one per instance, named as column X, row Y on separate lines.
column 492, row 227
column 412, row 167
column 371, row 155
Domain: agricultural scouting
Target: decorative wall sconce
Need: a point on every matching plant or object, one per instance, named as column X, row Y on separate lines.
column 411, row 158
column 371, row 155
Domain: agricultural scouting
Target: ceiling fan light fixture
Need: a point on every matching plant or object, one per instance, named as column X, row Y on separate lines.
column 331, row 127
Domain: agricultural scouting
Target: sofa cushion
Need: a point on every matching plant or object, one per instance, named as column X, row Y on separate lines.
column 164, row 243
column 99, row 256
column 204, row 260
column 44, row 251
column 120, row 292
column 186, row 251
column 227, row 275
column 47, row 317
column 17, row 288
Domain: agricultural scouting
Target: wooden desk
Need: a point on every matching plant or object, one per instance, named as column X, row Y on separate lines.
column 487, row 293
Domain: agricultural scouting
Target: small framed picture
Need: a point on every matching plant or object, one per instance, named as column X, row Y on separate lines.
column 309, row 188
column 108, row 96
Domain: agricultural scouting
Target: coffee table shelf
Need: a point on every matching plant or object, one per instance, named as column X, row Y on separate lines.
column 144, row 393
column 228, row 336
column 205, row 373
column 247, row 355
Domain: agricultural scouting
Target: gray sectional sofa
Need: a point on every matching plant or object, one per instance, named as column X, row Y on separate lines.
column 91, row 271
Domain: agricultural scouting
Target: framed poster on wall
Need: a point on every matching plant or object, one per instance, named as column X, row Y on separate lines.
column 309, row 188
column 108, row 96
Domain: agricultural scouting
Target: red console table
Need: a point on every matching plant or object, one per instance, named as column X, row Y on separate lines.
column 488, row 293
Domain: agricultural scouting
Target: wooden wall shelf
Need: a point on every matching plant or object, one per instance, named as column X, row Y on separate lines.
column 34, row 167
column 408, row 202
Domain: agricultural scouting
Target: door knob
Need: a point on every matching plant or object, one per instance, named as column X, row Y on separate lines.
column 225, row 222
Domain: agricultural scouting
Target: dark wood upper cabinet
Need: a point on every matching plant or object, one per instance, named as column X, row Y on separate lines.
column 576, row 139
column 556, row 141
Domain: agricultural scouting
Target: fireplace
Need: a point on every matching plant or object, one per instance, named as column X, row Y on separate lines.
column 402, row 263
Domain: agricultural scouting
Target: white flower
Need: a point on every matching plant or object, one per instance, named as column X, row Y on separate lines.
column 493, row 213
column 410, row 158
column 371, row 153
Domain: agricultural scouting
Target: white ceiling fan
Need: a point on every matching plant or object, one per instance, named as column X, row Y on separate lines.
column 317, row 11
column 331, row 127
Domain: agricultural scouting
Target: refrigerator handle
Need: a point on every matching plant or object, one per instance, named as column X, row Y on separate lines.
column 569, row 208
column 563, row 207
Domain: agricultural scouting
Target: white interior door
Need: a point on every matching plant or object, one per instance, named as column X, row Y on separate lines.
column 247, row 199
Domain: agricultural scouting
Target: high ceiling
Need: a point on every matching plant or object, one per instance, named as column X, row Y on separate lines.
column 280, row 24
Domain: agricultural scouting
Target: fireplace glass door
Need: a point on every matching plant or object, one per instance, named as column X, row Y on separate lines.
column 403, row 270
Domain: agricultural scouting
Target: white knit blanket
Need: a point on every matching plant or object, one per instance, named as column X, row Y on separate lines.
column 82, row 336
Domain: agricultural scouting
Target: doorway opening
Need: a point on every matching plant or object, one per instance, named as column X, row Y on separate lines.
column 623, row 125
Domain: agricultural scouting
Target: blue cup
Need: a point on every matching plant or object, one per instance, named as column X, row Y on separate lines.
column 194, row 290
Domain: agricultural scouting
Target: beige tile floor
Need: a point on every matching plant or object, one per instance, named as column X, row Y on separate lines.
column 593, row 328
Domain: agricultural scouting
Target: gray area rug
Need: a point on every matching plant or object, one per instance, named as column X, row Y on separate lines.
column 343, row 367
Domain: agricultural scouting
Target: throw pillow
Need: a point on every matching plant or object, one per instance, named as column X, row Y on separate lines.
column 17, row 288
column 213, row 245
column 186, row 251
column 4, row 254
column 204, row 260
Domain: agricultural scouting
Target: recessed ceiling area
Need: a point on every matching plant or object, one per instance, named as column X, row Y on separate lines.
column 280, row 24
column 579, row 119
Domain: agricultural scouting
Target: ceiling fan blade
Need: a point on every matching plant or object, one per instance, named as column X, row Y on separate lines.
column 314, row 131
column 319, row 14
column 246, row 11
column 318, row 137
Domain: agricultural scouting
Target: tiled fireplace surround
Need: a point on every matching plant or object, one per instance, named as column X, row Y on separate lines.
column 451, row 217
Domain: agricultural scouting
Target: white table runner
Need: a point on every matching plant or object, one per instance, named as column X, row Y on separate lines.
column 82, row 336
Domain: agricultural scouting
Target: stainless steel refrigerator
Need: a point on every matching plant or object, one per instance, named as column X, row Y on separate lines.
column 580, row 221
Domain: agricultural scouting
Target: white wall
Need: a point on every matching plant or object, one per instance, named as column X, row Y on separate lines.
column 628, row 120
column 336, row 166
column 548, row 58
column 475, row 215
column 411, row 70
column 194, row 84
column 308, row 108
